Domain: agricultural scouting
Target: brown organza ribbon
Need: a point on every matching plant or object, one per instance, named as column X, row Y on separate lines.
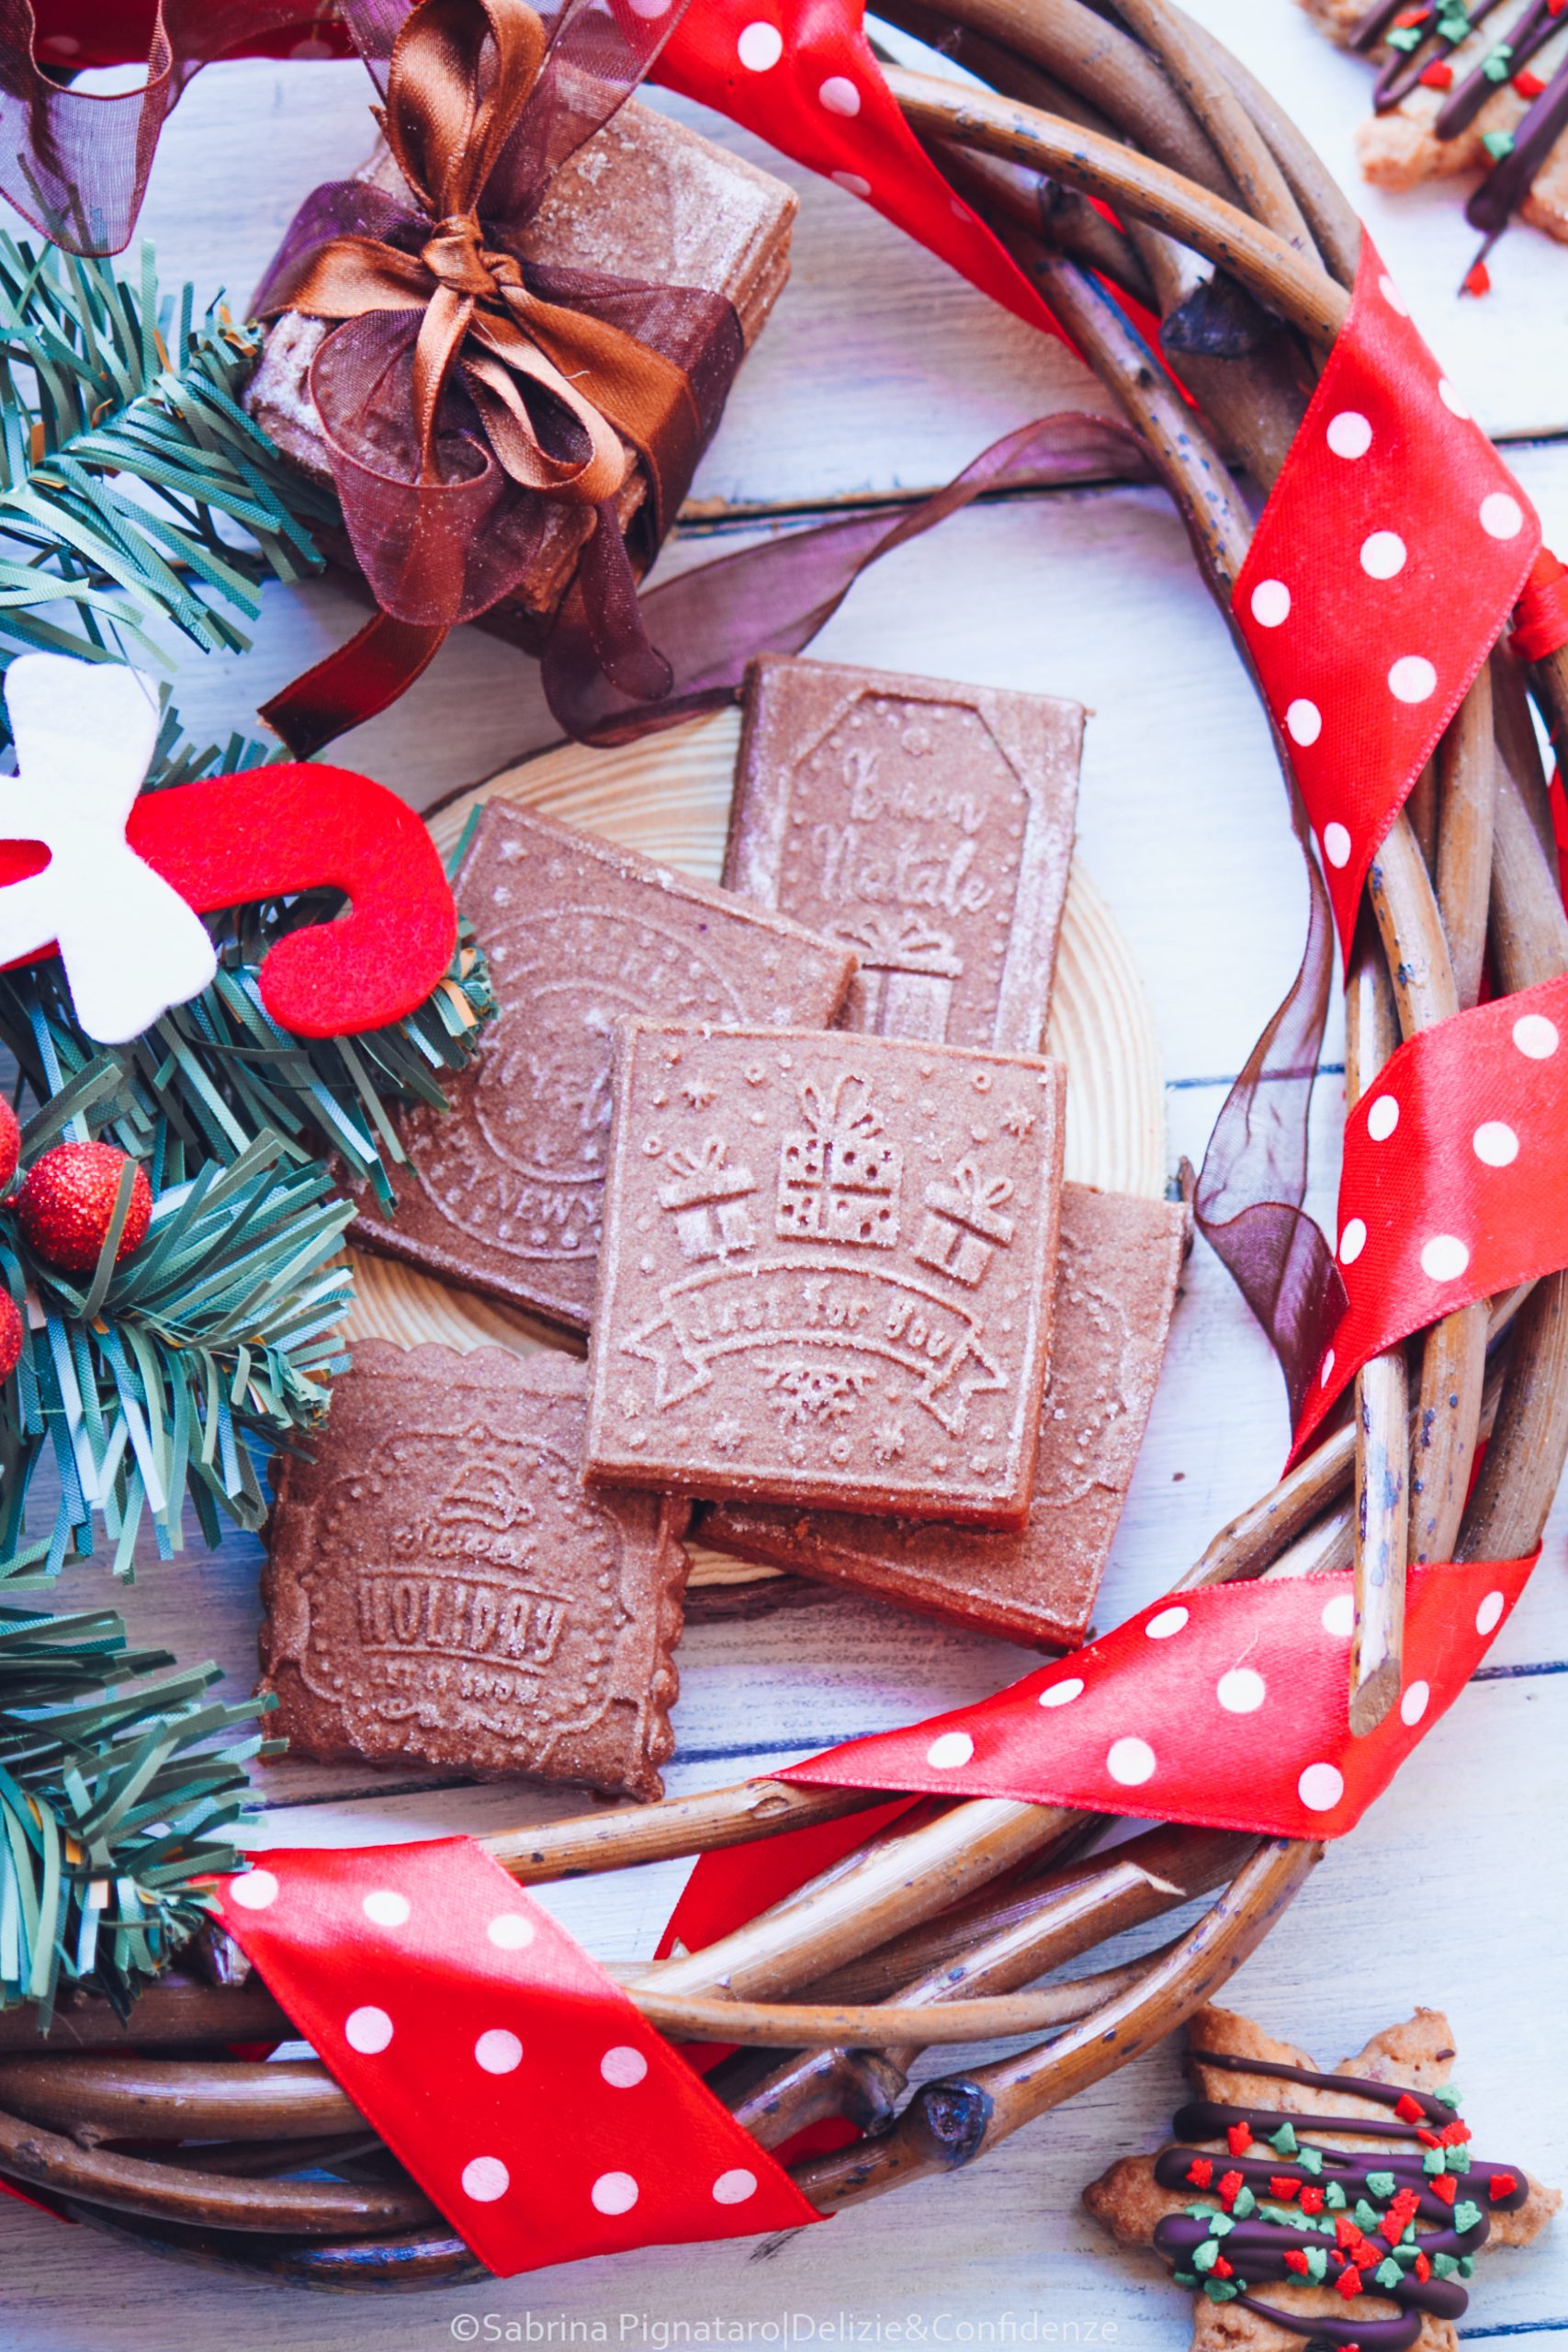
column 468, row 392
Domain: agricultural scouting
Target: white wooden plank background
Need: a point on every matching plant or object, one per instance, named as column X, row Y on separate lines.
column 880, row 372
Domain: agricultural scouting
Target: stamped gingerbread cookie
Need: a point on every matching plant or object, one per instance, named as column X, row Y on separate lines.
column 1340, row 2211
column 502, row 1191
column 928, row 825
column 441, row 1588
column 828, row 1270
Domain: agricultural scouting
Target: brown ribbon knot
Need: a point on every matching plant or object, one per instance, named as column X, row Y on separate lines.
column 465, row 383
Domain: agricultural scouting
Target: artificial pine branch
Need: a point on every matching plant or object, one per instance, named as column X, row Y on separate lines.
column 157, row 1378
column 134, row 491
column 112, row 1801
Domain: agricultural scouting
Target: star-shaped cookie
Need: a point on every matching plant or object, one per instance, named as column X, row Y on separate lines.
column 1337, row 2210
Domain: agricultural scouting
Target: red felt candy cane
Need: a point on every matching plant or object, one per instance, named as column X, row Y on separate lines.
column 113, row 878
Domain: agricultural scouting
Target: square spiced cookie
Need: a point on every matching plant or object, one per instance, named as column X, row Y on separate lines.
column 440, row 1587
column 928, row 825
column 827, row 1271
column 502, row 1190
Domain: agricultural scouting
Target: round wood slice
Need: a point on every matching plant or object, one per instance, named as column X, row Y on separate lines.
column 668, row 796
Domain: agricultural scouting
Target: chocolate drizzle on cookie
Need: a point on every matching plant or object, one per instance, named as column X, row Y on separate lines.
column 1403, row 2223
column 1421, row 39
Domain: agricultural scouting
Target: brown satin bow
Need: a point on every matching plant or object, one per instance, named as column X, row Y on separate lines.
column 447, row 120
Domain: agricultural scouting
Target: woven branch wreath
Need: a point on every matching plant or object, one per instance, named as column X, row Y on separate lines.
column 1205, row 207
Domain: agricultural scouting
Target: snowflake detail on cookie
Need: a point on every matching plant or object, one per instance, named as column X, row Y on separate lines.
column 1386, row 2208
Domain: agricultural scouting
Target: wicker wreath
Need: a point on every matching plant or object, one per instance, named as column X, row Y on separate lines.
column 930, row 1934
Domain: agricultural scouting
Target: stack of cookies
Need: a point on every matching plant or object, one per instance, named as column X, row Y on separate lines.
column 788, row 1153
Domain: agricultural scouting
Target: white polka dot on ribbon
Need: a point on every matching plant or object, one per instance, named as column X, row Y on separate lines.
column 1271, row 604
column 1496, row 1144
column 949, row 1750
column 384, row 1907
column 1168, row 1622
column 1535, row 1037
column 1444, row 1258
column 1383, row 555
column 1241, row 1691
column 498, row 2051
column 1320, row 1788
column 1352, row 1241
column 734, row 2188
column 1131, row 1762
column 838, row 95
column 1340, row 1616
column 368, row 2030
column 511, row 1931
column 614, row 2192
column 1349, row 434
column 1412, row 678
column 760, row 47
column 254, row 1891
column 623, row 2067
column 1383, row 1118
column 1061, row 1694
column 485, row 2178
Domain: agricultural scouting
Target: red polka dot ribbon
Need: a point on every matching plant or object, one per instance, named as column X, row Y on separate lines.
column 1227, row 1706
column 1451, row 1187
column 802, row 75
column 510, row 2077
column 1383, row 567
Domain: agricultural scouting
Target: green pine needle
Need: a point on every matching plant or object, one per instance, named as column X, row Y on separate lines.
column 135, row 494
column 112, row 1800
column 166, row 1377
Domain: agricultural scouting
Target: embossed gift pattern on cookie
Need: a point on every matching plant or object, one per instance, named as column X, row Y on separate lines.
column 440, row 1586
column 1117, row 1264
column 929, row 826
column 871, row 1328
column 504, row 1191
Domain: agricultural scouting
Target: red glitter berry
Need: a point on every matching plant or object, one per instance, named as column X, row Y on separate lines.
column 1478, row 279
column 1231, row 2184
column 1238, row 2139
column 1348, row 2282
column 1529, row 84
column 1281, row 2186
column 1295, row 2259
column 1439, row 75
column 1200, row 2172
column 1503, row 2184
column 1311, row 2198
column 10, row 1145
column 1454, row 2134
column 1408, row 2109
column 1443, row 2187
column 11, row 1333
column 1423, row 2269
column 66, row 1205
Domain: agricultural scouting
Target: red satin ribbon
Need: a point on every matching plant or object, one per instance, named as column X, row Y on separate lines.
column 1451, row 1188
column 509, row 2075
column 802, row 75
column 1227, row 1706
column 1381, row 572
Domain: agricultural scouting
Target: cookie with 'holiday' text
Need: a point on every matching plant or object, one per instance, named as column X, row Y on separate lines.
column 441, row 1588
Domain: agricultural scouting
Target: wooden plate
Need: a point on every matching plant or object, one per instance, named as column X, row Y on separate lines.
column 668, row 795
